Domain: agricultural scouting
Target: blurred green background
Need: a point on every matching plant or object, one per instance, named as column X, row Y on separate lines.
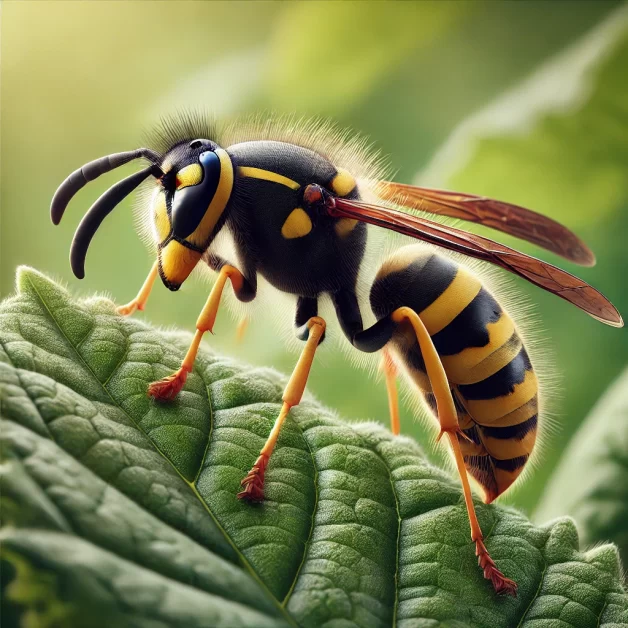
column 526, row 101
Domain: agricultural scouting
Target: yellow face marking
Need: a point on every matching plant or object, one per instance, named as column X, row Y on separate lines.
column 345, row 226
column 267, row 175
column 218, row 203
column 491, row 410
column 343, row 183
column 190, row 175
column 460, row 292
column 160, row 216
column 459, row 365
column 297, row 225
column 177, row 261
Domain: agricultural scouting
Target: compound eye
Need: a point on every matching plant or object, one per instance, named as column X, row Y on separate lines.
column 190, row 175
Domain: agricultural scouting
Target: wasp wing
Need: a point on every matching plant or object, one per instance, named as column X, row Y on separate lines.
column 512, row 219
column 534, row 270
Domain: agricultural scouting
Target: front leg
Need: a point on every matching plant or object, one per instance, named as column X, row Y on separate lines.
column 139, row 302
column 170, row 386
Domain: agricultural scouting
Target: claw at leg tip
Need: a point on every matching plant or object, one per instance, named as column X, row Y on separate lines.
column 127, row 309
column 169, row 387
column 501, row 584
column 253, row 483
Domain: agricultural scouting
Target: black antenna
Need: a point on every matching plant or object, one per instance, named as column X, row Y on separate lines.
column 91, row 171
column 100, row 210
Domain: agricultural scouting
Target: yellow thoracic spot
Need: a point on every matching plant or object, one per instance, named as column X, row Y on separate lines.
column 297, row 225
column 160, row 216
column 267, row 175
column 190, row 175
column 343, row 183
column 177, row 261
column 218, row 203
column 345, row 226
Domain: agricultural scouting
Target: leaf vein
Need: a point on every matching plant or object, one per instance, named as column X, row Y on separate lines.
column 308, row 541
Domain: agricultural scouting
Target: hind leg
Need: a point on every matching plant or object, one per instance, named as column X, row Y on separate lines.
column 377, row 337
column 390, row 374
column 448, row 419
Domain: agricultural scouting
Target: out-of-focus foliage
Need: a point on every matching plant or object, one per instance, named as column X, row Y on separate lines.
column 340, row 66
column 560, row 134
column 124, row 511
column 591, row 482
column 82, row 79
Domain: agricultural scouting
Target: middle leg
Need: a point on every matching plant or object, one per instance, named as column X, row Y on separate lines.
column 253, row 483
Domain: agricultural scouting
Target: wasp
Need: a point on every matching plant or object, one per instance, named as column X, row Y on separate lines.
column 299, row 212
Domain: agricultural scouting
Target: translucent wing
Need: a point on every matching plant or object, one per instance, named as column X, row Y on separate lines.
column 534, row 270
column 511, row 219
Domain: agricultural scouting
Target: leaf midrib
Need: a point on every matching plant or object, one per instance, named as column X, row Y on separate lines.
column 398, row 549
column 308, row 541
column 192, row 486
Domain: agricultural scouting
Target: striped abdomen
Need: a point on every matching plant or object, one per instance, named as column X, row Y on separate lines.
column 492, row 379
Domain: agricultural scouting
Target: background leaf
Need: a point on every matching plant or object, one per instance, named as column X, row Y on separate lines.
column 591, row 482
column 118, row 510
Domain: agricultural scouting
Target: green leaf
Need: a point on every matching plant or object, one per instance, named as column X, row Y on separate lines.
column 591, row 482
column 122, row 511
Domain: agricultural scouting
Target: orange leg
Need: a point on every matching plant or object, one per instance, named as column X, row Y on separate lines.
column 448, row 419
column 390, row 373
column 170, row 386
column 253, row 483
column 139, row 302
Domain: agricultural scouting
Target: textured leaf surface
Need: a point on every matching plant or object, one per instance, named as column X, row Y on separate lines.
column 123, row 511
column 591, row 483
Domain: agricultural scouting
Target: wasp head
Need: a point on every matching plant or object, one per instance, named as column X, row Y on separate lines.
column 188, row 207
column 195, row 182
